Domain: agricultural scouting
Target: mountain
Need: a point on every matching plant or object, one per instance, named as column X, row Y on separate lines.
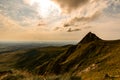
column 89, row 37
column 91, row 59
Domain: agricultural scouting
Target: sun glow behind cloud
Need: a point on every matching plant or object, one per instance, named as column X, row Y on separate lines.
column 46, row 8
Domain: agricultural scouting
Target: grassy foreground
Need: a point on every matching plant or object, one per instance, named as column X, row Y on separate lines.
column 25, row 75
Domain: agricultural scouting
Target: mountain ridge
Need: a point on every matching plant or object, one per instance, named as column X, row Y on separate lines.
column 85, row 56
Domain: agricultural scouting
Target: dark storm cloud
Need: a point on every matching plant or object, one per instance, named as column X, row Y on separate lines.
column 68, row 5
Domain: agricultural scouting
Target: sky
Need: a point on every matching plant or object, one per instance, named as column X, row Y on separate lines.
column 39, row 20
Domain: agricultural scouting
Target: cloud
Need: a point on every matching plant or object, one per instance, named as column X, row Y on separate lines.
column 41, row 24
column 17, row 10
column 19, row 19
column 8, row 24
column 88, row 11
column 85, row 19
column 76, row 20
column 82, row 9
column 9, row 28
column 87, row 27
column 113, row 8
column 73, row 30
column 68, row 5
column 66, row 25
column 29, row 2
column 57, row 28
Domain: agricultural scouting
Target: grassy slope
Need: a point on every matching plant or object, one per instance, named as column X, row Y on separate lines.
column 106, row 58
column 92, row 60
column 7, row 60
column 27, row 58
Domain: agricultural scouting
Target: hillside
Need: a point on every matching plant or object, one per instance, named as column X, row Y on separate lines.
column 91, row 59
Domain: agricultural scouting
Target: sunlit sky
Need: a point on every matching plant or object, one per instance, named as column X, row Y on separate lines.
column 36, row 20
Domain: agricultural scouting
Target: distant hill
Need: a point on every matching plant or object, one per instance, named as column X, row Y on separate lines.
column 91, row 59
